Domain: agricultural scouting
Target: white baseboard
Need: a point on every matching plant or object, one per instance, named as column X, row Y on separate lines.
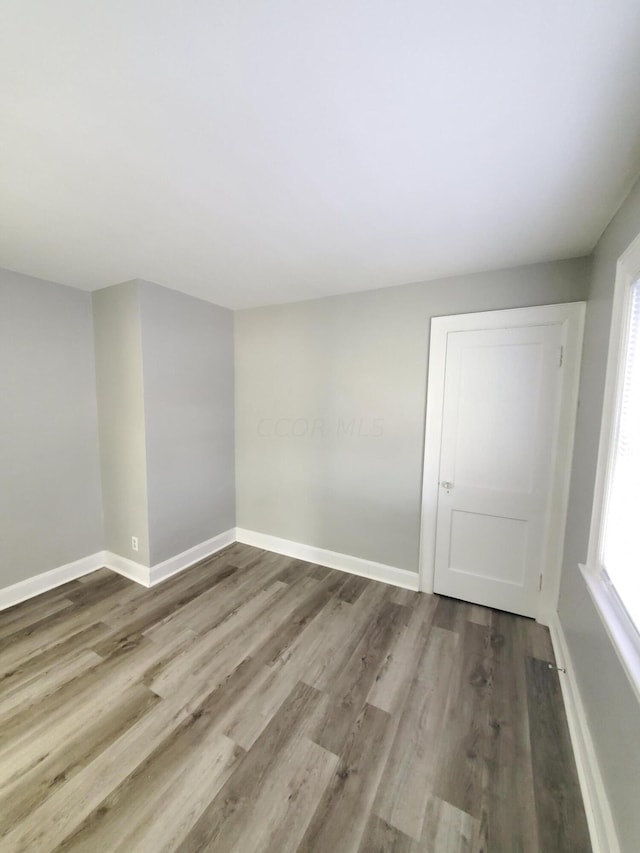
column 45, row 581
column 128, row 568
column 164, row 570
column 601, row 826
column 151, row 575
column 145, row 575
column 331, row 559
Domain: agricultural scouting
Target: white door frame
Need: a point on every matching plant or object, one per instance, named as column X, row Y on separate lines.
column 571, row 316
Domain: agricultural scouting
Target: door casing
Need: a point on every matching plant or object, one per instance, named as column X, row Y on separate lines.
column 570, row 316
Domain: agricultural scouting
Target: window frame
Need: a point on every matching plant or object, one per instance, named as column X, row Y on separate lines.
column 622, row 631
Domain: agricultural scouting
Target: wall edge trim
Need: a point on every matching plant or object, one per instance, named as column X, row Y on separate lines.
column 332, row 559
column 151, row 575
column 144, row 575
column 599, row 817
column 45, row 581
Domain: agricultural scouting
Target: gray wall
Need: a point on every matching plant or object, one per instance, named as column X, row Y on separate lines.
column 187, row 353
column 164, row 365
column 50, row 503
column 118, row 336
column 330, row 405
column 611, row 706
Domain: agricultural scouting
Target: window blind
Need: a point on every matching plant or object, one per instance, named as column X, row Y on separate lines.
column 621, row 541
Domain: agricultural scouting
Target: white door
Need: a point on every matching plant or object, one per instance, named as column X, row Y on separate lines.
column 500, row 417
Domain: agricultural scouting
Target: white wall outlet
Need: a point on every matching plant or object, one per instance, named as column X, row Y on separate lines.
column 134, row 543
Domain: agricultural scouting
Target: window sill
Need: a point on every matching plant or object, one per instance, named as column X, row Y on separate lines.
column 623, row 633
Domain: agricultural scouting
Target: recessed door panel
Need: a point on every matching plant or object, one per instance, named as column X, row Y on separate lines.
column 499, row 428
column 488, row 546
column 495, row 400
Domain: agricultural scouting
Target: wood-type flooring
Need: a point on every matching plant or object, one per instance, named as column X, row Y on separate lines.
column 260, row 703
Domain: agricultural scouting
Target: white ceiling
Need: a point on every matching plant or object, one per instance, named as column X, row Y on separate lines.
column 258, row 151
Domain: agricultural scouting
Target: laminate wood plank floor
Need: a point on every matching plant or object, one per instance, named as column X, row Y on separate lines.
column 258, row 703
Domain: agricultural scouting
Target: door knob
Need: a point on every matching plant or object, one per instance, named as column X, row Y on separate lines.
column 446, row 485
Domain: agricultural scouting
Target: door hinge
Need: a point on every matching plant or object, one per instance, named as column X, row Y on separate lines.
column 540, row 584
column 561, row 359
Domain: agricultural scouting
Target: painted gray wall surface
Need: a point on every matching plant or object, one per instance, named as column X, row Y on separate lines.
column 611, row 706
column 330, row 406
column 187, row 351
column 116, row 314
column 50, row 502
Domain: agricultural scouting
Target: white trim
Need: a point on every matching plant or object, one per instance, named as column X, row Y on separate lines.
column 621, row 632
column 628, row 269
column 332, row 559
column 45, row 581
column 164, row 570
column 144, row 575
column 150, row 576
column 599, row 817
column 571, row 316
column 128, row 568
column 618, row 625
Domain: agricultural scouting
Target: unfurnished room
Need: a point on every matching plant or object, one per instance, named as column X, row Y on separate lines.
column 320, row 426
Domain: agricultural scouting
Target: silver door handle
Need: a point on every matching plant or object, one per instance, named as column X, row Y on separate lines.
column 446, row 485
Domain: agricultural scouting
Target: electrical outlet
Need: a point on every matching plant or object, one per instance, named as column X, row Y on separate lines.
column 134, row 543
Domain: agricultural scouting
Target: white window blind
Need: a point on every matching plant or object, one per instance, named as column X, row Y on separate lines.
column 621, row 541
